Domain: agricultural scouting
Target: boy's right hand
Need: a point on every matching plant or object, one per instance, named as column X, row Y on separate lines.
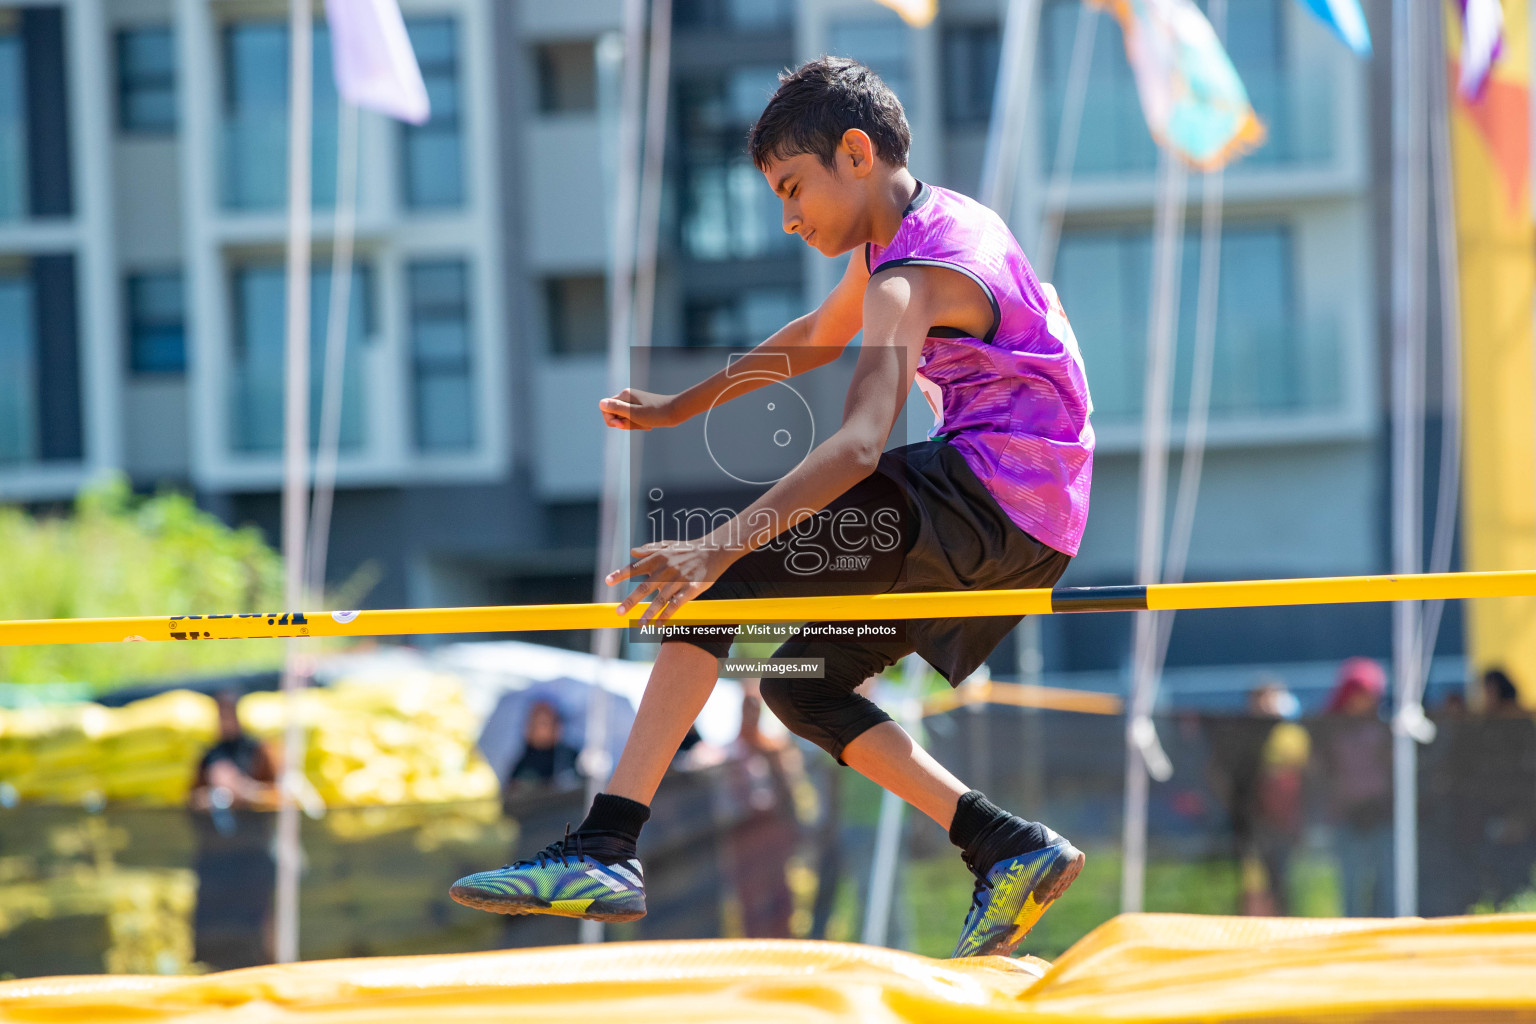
column 632, row 409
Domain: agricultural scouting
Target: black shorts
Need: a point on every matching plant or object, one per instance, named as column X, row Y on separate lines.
column 953, row 535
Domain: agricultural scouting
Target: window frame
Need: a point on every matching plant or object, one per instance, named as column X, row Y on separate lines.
column 128, row 81
column 451, row 126
column 134, row 322
column 422, row 368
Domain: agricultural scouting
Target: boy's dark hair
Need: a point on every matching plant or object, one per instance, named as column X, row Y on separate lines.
column 819, row 101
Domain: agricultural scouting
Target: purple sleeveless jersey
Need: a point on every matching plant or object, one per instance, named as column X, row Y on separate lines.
column 1014, row 403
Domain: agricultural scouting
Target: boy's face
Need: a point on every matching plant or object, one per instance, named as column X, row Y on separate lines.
column 824, row 206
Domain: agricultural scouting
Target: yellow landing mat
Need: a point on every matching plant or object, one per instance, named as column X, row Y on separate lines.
column 1139, row 967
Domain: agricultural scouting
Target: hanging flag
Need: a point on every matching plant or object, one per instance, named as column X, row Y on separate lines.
column 1347, row 21
column 375, row 65
column 1496, row 257
column 917, row 13
column 1191, row 96
column 1482, row 38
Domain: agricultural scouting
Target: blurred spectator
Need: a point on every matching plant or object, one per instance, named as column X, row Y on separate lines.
column 238, row 770
column 1356, row 750
column 1279, row 813
column 695, row 752
column 548, row 760
column 235, row 781
column 1499, row 766
column 1500, row 697
column 762, row 773
column 1454, row 705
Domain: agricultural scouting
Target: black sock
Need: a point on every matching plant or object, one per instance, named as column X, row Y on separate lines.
column 987, row 834
column 612, row 828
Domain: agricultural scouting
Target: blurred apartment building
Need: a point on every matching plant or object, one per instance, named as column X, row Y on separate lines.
column 142, row 197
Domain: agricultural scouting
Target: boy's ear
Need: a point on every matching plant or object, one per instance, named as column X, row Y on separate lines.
column 859, row 150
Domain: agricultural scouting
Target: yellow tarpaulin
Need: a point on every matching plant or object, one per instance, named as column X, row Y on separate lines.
column 1138, row 967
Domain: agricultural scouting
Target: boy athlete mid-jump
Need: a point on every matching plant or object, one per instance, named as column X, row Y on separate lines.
column 996, row 498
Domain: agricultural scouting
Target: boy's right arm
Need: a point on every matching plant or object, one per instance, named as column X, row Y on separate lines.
column 810, row 341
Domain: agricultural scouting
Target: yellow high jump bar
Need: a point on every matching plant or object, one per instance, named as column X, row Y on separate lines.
column 516, row 618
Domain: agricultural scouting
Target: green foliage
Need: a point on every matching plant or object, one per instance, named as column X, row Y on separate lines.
column 122, row 555
column 1520, row 903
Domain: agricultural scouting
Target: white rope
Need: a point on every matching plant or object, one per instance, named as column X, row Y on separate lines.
column 332, row 389
column 1010, row 106
column 1198, row 415
column 1144, row 754
column 1449, row 494
column 1066, row 140
column 882, row 872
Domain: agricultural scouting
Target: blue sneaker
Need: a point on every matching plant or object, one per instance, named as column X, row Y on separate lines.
column 1013, row 893
column 559, row 880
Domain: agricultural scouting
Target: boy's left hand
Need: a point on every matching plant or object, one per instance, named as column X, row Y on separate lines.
column 675, row 571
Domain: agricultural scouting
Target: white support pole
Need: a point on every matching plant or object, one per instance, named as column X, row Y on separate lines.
column 648, row 231
column 1010, row 106
column 295, row 461
column 620, row 64
column 882, row 872
column 1143, row 754
column 1408, row 195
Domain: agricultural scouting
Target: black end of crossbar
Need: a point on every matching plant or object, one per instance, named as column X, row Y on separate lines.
column 1099, row 599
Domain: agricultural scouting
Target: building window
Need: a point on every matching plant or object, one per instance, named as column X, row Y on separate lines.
column 433, row 153
column 40, row 414
column 441, row 368
column 255, row 129
column 1269, row 361
column 578, row 314
column 146, row 80
column 157, row 340
column 881, row 44
column 742, row 320
column 13, row 120
column 35, row 171
column 18, row 369
column 970, row 73
column 567, row 77
column 260, row 293
column 755, row 15
column 729, row 212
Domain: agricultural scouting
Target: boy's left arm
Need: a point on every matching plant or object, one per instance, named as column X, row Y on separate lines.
column 899, row 309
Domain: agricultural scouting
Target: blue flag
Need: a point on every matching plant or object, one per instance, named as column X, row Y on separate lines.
column 1347, row 21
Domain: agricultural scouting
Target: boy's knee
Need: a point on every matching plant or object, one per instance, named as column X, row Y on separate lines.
column 778, row 695
column 825, row 714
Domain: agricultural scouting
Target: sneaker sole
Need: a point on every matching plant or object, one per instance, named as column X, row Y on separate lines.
column 1062, row 873
column 535, row 905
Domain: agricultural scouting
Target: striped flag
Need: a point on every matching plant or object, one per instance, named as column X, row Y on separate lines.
column 1191, row 96
column 1482, row 38
column 375, row 65
column 1347, row 21
column 917, row 13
